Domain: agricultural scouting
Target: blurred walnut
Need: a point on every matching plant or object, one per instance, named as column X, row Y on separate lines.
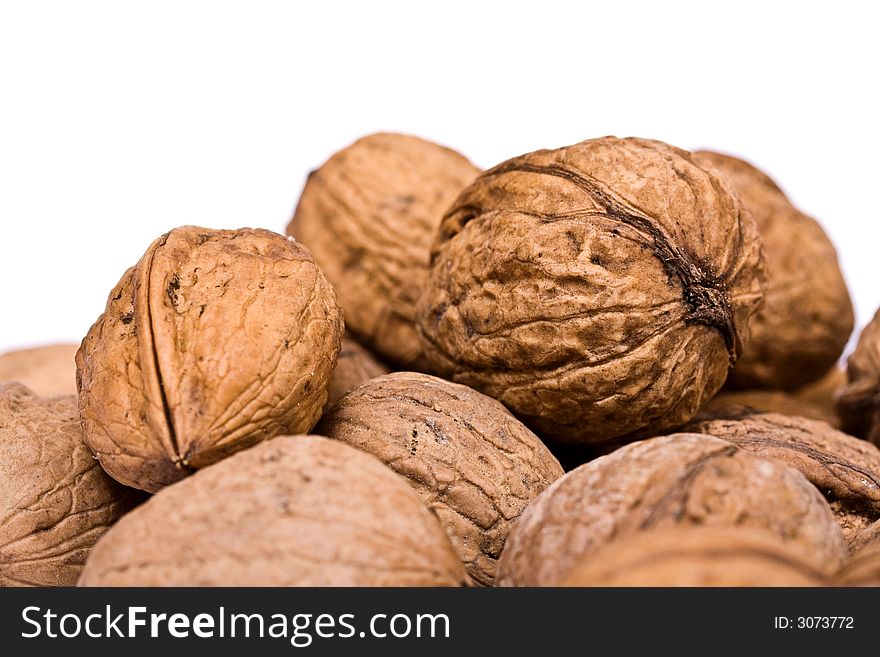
column 214, row 341
column 698, row 556
column 368, row 216
column 48, row 371
column 846, row 470
column 863, row 567
column 858, row 402
column 823, row 392
column 775, row 401
column 807, row 316
column 474, row 464
column 292, row 511
column 680, row 479
column 55, row 500
column 600, row 291
column 354, row 366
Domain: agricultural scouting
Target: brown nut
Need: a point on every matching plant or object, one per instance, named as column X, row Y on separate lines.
column 369, row 216
column 870, row 535
column 214, row 341
column 292, row 511
column 729, row 402
column 846, row 470
column 698, row 556
column 55, row 500
column 354, row 366
column 863, row 567
column 474, row 464
column 597, row 290
column 858, row 402
column 48, row 371
column 807, row 316
column 823, row 393
column 687, row 479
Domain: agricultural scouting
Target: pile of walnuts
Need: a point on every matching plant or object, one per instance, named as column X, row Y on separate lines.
column 608, row 364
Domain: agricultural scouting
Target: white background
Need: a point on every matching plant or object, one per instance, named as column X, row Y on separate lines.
column 121, row 120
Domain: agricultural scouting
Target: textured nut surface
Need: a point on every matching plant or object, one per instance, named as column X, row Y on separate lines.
column 844, row 469
column 48, row 371
column 687, row 479
column 597, row 290
column 369, row 216
column 474, row 464
column 770, row 401
column 55, row 500
column 354, row 366
column 807, row 316
column 698, row 556
column 215, row 340
column 870, row 535
column 863, row 567
column 858, row 402
column 292, row 511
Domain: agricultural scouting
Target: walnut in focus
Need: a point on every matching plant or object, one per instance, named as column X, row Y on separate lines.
column 807, row 316
column 292, row 511
column 48, row 371
column 354, row 366
column 474, row 464
column 858, row 402
column 214, row 341
column 369, row 216
column 600, row 291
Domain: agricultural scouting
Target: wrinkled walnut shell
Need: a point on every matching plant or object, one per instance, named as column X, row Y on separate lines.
column 846, row 470
column 698, row 556
column 354, row 366
column 807, row 316
column 369, row 216
column 729, row 402
column 48, row 371
column 292, row 511
column 858, row 402
column 597, row 290
column 687, row 479
column 55, row 500
column 214, row 341
column 863, row 567
column 474, row 464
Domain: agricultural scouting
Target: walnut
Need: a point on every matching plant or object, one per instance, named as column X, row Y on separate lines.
column 863, row 567
column 469, row 459
column 807, row 316
column 55, row 500
column 870, row 535
column 292, row 511
column 354, row 366
column 776, row 401
column 212, row 342
column 698, row 556
column 846, row 470
column 858, row 402
column 369, row 215
column 823, row 393
column 48, row 371
column 599, row 291
column 686, row 479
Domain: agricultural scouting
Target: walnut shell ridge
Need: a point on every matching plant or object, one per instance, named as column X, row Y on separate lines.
column 600, row 291
column 846, row 470
column 292, row 511
column 474, row 464
column 213, row 341
column 858, row 402
column 807, row 317
column 55, row 500
column 369, row 215
column 680, row 479
column 698, row 556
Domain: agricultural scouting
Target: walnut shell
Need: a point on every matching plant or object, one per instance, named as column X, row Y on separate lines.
column 474, row 464
column 687, row 479
column 597, row 290
column 55, row 500
column 862, row 568
column 807, row 316
column 698, row 556
column 354, row 366
column 870, row 535
column 214, row 341
column 369, row 215
column 729, row 402
column 48, row 371
column 823, row 392
column 846, row 470
column 858, row 402
column 292, row 511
